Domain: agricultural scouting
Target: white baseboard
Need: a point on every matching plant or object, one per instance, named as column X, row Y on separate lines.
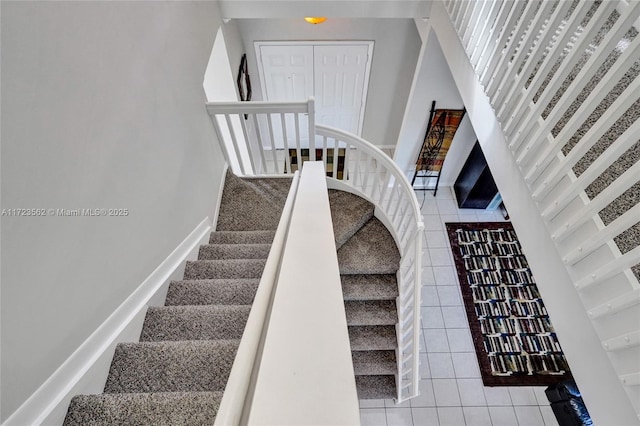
column 85, row 371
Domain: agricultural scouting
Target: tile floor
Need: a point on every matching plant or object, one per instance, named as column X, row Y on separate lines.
column 451, row 390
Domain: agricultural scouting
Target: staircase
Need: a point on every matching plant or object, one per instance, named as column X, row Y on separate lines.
column 177, row 372
column 368, row 260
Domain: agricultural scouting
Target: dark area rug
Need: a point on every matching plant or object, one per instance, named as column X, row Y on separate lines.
column 512, row 333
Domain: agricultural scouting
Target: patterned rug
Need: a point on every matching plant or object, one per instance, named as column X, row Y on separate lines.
column 296, row 162
column 512, row 333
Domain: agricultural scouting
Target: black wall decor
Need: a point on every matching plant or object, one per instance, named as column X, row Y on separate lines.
column 441, row 129
column 244, row 82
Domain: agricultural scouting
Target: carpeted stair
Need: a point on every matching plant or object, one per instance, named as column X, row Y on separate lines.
column 368, row 260
column 177, row 372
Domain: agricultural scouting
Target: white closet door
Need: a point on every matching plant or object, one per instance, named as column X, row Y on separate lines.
column 339, row 84
column 288, row 72
column 336, row 74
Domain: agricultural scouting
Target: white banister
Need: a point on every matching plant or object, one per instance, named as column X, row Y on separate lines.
column 615, row 267
column 593, row 135
column 366, row 171
column 623, row 341
column 582, row 43
column 495, row 55
column 619, row 147
column 615, row 228
column 306, row 373
column 586, row 213
column 632, row 379
column 517, row 84
column 615, row 305
column 240, row 383
column 589, row 69
column 567, row 32
column 576, row 172
column 532, row 31
column 486, row 31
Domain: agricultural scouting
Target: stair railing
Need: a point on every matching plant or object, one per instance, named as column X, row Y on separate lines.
column 355, row 165
column 560, row 78
column 272, row 139
column 253, row 133
column 233, row 407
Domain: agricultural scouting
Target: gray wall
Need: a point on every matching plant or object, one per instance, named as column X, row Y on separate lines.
column 235, row 49
column 102, row 107
column 395, row 53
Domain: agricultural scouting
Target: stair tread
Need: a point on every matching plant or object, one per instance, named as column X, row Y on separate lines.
column 252, row 204
column 371, row 312
column 212, row 292
column 374, row 362
column 371, row 250
column 177, row 408
column 242, row 237
column 200, row 322
column 349, row 213
column 233, row 251
column 372, row 337
column 171, row 366
column 227, row 268
column 376, row 387
column 369, row 287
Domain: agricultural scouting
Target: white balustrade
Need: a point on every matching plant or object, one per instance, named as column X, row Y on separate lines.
column 262, row 138
column 534, row 59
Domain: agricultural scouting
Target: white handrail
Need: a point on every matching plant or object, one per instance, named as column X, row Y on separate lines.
column 242, row 376
column 401, row 214
column 306, row 371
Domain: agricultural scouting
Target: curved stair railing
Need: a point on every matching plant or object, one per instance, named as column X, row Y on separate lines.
column 369, row 172
column 269, row 138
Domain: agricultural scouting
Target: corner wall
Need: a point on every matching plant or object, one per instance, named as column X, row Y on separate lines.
column 432, row 81
column 102, row 107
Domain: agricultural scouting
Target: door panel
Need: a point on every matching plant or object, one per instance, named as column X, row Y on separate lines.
column 288, row 76
column 339, row 85
column 288, row 72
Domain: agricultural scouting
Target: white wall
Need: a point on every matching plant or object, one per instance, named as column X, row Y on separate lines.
column 432, row 82
column 397, row 44
column 102, row 107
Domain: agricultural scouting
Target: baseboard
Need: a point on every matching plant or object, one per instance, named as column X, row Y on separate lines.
column 386, row 146
column 85, row 371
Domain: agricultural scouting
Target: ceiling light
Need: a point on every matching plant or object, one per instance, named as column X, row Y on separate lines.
column 315, row 19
